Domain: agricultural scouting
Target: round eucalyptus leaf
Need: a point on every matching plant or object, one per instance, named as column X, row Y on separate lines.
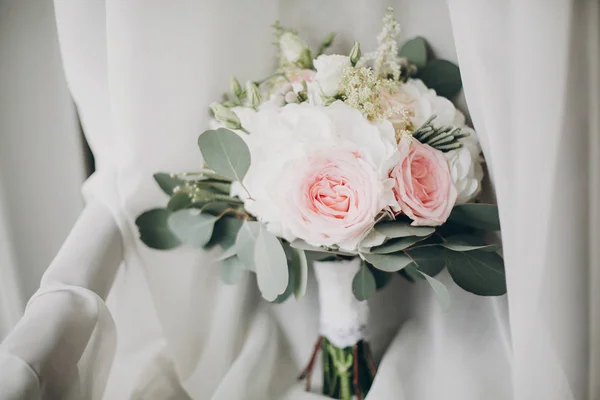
column 232, row 270
column 192, row 227
column 299, row 269
column 415, row 51
column 388, row 262
column 179, row 201
column 430, row 260
column 478, row 272
column 225, row 153
column 154, row 229
column 167, row 182
column 442, row 76
column 245, row 243
column 271, row 265
column 363, row 284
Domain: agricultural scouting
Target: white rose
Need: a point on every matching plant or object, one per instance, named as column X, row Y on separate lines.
column 465, row 167
column 317, row 173
column 291, row 46
column 329, row 72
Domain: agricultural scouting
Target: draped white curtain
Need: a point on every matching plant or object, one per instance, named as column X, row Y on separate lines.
column 142, row 74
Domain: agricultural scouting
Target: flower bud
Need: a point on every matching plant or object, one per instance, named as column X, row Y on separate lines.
column 291, row 46
column 291, row 97
column 355, row 54
column 236, row 88
column 253, row 93
column 225, row 116
column 328, row 40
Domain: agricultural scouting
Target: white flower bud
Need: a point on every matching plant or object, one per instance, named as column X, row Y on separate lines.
column 225, row 116
column 291, row 97
column 355, row 54
column 253, row 93
column 292, row 46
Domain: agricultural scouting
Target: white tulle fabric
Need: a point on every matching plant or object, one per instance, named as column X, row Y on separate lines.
column 342, row 318
column 142, row 74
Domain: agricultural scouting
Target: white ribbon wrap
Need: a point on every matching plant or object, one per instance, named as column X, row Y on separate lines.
column 343, row 319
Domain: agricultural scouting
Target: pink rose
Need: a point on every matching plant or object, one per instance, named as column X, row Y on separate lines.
column 332, row 198
column 423, row 187
column 302, row 75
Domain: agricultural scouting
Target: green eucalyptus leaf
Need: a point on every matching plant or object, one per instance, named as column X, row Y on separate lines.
column 442, row 76
column 245, row 243
column 396, row 245
column 179, row 201
column 429, row 260
column 467, row 243
column 397, row 229
column 290, row 286
column 271, row 265
column 388, row 262
column 363, row 284
column 441, row 291
column 225, row 153
column 415, row 51
column 225, row 232
column 232, row 270
column 476, row 215
column 154, row 229
column 230, row 252
column 215, row 186
column 167, row 182
column 299, row 269
column 214, row 207
column 411, row 273
column 478, row 272
column 192, row 227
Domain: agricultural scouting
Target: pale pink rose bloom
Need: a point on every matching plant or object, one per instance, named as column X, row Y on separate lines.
column 334, row 199
column 302, row 75
column 423, row 186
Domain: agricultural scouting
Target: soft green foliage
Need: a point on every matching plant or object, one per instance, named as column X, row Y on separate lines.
column 225, row 232
column 397, row 229
column 441, row 291
column 246, row 242
column 477, row 271
column 192, row 227
column 225, row 153
column 442, row 76
column 271, row 265
column 395, row 245
column 476, row 215
column 430, row 260
column 388, row 262
column 232, row 270
column 154, row 229
column 363, row 284
column 167, row 182
column 467, row 243
column 415, row 51
column 179, row 201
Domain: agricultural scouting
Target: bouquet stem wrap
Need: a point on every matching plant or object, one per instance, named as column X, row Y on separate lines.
column 348, row 369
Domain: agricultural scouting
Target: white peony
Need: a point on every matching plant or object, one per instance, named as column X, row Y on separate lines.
column 292, row 46
column 329, row 72
column 317, row 173
column 465, row 163
column 420, row 103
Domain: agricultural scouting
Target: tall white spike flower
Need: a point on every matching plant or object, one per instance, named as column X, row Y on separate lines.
column 385, row 58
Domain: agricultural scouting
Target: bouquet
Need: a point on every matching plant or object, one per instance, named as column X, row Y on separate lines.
column 359, row 163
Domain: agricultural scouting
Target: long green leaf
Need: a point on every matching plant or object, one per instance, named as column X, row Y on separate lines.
column 271, row 265
column 442, row 76
column 396, row 245
column 154, row 229
column 467, row 243
column 167, row 182
column 441, row 291
column 225, row 153
column 430, row 260
column 397, row 229
column 192, row 227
